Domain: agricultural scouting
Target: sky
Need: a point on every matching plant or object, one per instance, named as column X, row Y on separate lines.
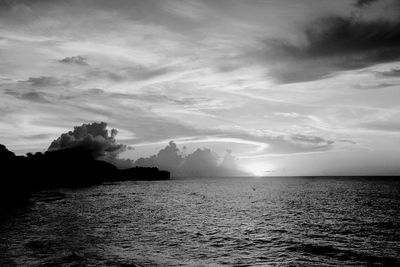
column 288, row 87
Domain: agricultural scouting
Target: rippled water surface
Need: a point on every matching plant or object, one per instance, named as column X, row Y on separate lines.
column 209, row 221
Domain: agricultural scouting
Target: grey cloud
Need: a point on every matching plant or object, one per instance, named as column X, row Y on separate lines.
column 363, row 3
column 202, row 162
column 33, row 96
column 136, row 73
column 37, row 136
column 144, row 73
column 11, row 92
column 162, row 98
column 286, row 144
column 347, row 141
column 374, row 86
column 168, row 158
column 311, row 139
column 334, row 44
column 46, row 81
column 79, row 60
column 94, row 137
column 95, row 91
column 387, row 126
column 390, row 73
column 151, row 97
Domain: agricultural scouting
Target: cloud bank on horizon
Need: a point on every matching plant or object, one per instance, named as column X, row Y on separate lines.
column 307, row 87
column 96, row 139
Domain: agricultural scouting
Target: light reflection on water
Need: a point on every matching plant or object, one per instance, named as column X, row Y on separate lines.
column 209, row 221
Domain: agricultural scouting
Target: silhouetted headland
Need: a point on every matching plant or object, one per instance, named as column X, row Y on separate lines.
column 71, row 167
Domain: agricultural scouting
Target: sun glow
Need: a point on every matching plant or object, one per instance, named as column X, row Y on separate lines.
column 258, row 168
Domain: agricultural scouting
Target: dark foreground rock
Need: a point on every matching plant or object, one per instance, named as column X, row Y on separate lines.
column 20, row 175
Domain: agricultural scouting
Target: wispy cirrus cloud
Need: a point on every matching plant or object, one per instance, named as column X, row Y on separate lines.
column 46, row 81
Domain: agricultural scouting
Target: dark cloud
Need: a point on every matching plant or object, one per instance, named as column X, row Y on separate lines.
column 349, row 36
column 79, row 60
column 362, row 3
column 46, row 81
column 202, row 162
column 33, row 96
column 93, row 137
column 334, row 44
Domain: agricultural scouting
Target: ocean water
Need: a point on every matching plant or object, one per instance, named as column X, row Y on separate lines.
column 209, row 222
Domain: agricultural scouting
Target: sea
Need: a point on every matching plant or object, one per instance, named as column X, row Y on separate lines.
column 252, row 221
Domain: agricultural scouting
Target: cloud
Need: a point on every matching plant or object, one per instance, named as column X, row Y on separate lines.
column 347, row 141
column 311, row 139
column 390, row 73
column 33, row 96
column 202, row 162
column 386, row 126
column 374, row 86
column 93, row 137
column 46, row 81
column 280, row 143
column 38, row 136
column 135, row 73
column 287, row 114
column 334, row 44
column 79, row 60
column 363, row 3
column 168, row 158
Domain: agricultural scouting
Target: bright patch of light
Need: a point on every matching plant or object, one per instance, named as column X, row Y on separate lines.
column 258, row 168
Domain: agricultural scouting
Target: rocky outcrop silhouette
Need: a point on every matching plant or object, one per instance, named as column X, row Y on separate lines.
column 72, row 167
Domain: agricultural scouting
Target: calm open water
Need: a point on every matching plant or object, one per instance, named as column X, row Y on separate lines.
column 209, row 222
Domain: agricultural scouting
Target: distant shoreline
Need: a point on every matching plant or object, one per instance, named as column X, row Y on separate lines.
column 72, row 167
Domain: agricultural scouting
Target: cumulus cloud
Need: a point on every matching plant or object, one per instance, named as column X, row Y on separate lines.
column 334, row 44
column 94, row 138
column 202, row 162
column 79, row 60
